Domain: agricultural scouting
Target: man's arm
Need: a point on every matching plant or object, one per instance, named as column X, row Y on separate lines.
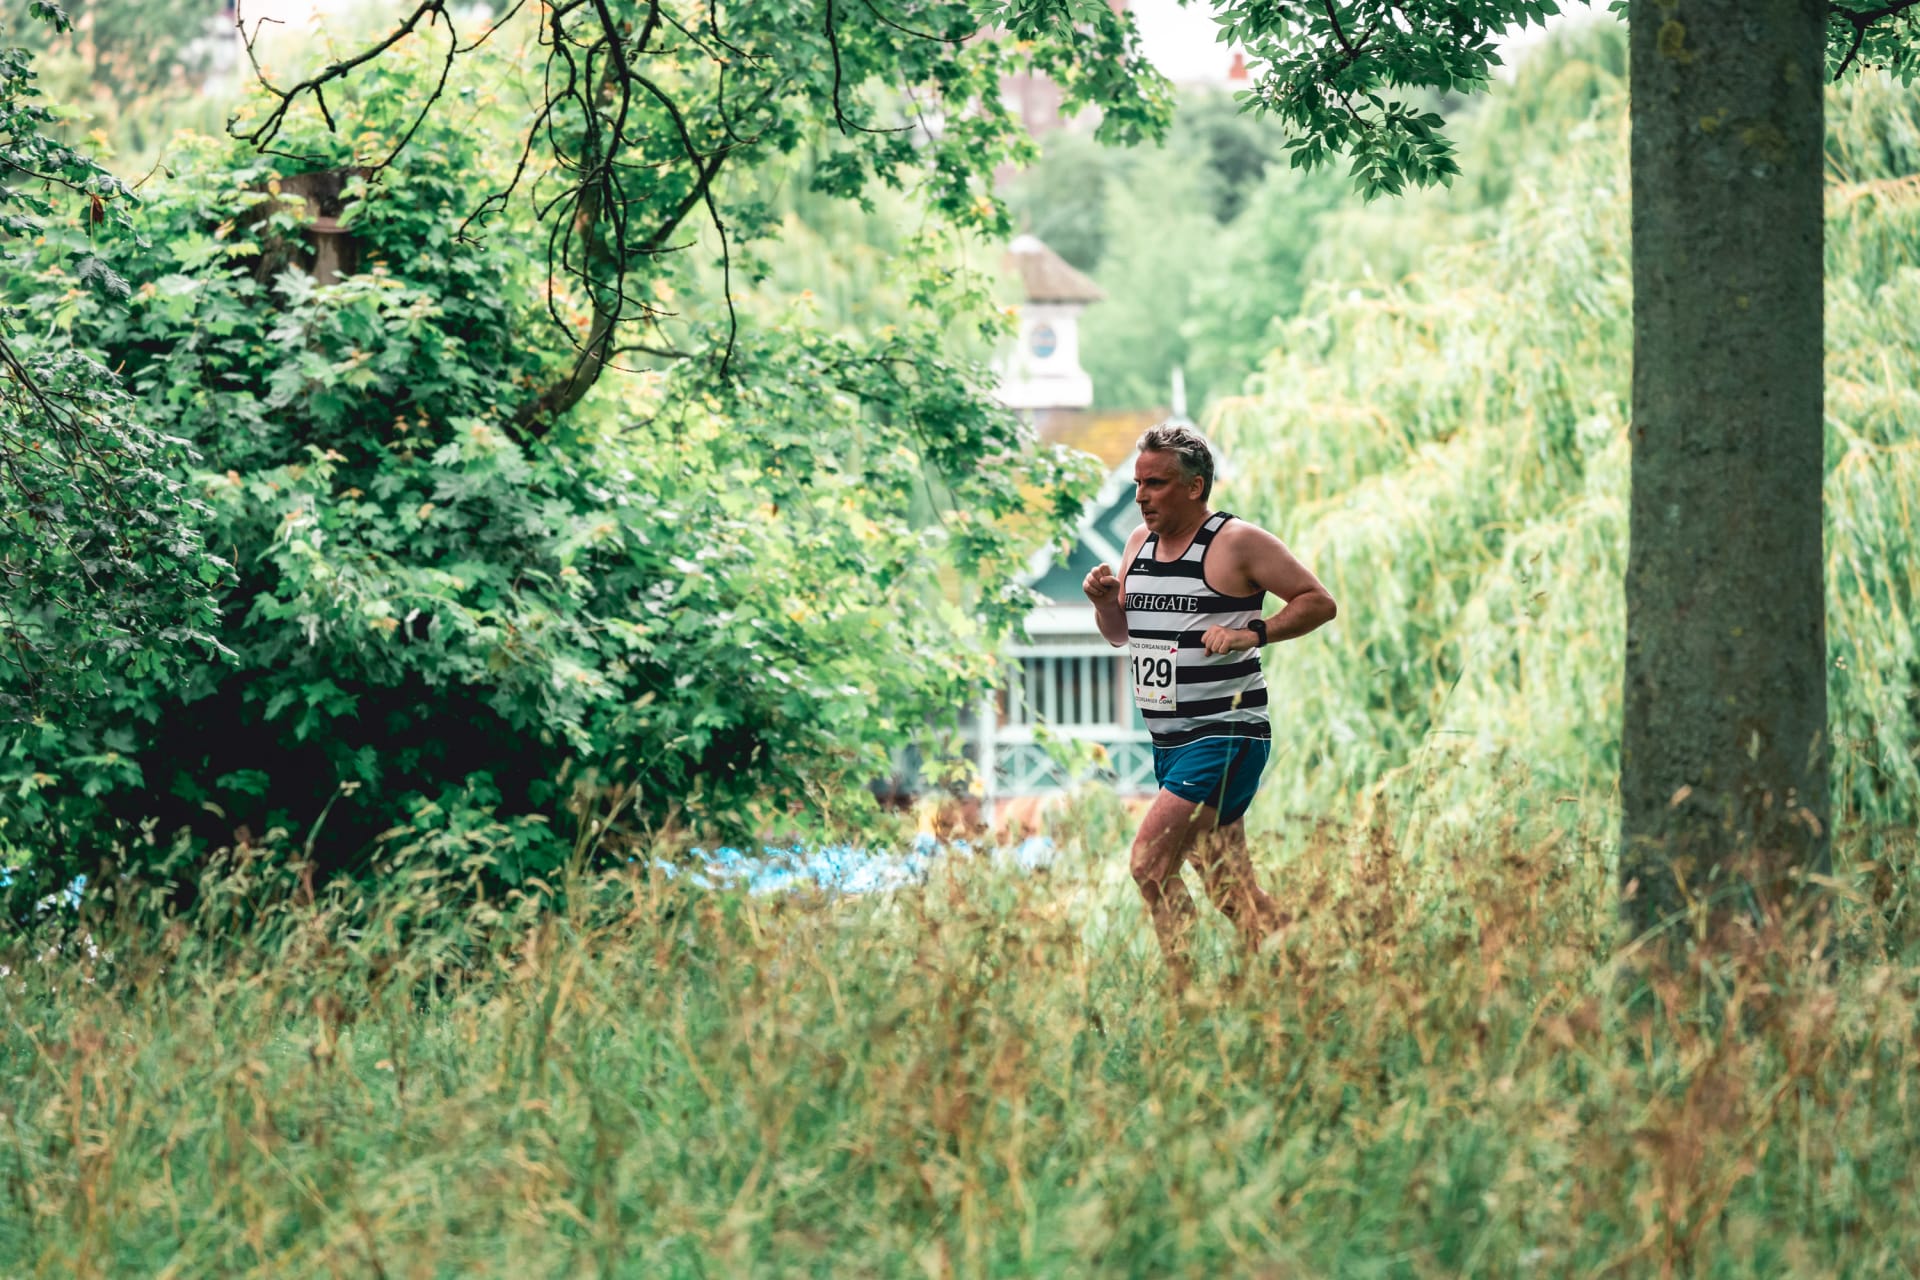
column 1264, row 561
column 1103, row 587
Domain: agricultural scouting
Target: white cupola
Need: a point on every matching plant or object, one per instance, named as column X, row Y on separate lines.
column 1043, row 371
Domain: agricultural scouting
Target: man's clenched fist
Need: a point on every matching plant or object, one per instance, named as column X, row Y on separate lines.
column 1228, row 640
column 1101, row 586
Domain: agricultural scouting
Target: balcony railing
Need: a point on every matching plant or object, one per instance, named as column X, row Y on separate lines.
column 1072, row 692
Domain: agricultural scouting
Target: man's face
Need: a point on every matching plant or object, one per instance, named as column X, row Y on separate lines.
column 1164, row 496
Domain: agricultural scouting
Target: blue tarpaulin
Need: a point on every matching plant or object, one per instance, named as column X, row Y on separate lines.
column 842, row 868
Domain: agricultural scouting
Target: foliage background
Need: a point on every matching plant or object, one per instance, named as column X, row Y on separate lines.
column 1447, row 447
column 103, row 565
column 1453, row 1064
column 1436, row 421
column 717, row 593
column 1202, row 243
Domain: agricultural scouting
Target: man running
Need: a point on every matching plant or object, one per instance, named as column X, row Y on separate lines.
column 1188, row 601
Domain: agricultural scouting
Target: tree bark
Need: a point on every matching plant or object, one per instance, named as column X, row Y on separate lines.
column 1724, row 766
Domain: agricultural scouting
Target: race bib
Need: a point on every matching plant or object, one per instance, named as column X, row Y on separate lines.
column 1154, row 667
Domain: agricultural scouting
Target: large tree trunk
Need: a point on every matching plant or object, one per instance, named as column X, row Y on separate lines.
column 1724, row 763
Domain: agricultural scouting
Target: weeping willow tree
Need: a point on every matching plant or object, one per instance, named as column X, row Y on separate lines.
column 1450, row 451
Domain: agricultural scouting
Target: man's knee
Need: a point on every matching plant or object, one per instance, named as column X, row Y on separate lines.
column 1148, row 867
column 1156, row 858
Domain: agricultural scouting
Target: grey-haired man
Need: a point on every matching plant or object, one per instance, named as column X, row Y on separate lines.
column 1188, row 601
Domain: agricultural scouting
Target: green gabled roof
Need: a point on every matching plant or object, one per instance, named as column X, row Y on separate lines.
column 1109, row 518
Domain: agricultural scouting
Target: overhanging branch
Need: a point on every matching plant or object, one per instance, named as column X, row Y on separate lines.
column 1862, row 20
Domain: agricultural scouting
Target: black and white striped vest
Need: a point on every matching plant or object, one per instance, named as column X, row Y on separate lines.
column 1212, row 695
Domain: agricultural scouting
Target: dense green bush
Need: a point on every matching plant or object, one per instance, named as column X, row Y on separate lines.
column 102, row 565
column 711, row 590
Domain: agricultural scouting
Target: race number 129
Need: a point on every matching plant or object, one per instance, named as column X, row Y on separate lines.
column 1155, row 668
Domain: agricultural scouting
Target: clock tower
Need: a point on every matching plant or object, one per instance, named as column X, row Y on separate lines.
column 1042, row 371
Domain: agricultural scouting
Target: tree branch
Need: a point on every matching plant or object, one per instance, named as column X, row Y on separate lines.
column 1860, row 21
column 593, row 356
column 263, row 136
column 1333, row 20
column 839, row 113
column 713, row 25
column 920, row 35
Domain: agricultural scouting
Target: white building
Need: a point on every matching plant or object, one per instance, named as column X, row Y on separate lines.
column 1064, row 681
column 1042, row 372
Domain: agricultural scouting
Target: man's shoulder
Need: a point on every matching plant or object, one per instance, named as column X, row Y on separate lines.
column 1243, row 543
column 1241, row 529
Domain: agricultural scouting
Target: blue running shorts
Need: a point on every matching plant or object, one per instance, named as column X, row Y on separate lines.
column 1223, row 772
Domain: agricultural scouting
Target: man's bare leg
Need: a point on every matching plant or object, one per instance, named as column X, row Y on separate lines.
column 1227, row 872
column 1169, row 830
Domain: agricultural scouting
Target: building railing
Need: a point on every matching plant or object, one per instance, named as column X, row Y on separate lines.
column 1071, row 692
column 1065, row 716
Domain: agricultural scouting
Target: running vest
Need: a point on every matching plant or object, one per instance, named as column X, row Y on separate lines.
column 1169, row 607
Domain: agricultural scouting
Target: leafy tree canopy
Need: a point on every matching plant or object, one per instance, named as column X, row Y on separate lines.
column 642, row 107
column 1345, row 76
column 101, row 563
column 133, row 47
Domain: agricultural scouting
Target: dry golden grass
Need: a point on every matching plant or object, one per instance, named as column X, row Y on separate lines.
column 1452, row 1065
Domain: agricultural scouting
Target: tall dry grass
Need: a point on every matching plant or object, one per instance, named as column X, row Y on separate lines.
column 1451, row 1066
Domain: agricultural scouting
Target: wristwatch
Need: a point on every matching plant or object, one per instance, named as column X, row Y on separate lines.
column 1259, row 628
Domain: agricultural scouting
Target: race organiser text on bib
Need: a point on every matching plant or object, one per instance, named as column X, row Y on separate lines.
column 1154, row 665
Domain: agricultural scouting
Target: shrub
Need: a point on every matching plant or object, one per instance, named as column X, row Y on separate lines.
column 725, row 589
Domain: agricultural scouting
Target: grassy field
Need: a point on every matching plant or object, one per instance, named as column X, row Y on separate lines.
column 1452, row 1065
